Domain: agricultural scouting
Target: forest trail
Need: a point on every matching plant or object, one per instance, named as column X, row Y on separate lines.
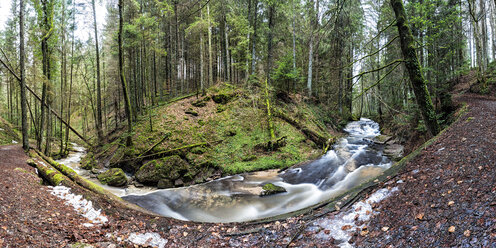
column 446, row 197
column 29, row 214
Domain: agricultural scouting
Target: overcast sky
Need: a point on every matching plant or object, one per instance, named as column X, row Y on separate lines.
column 85, row 20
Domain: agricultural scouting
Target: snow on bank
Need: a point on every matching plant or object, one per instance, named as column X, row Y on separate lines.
column 147, row 239
column 81, row 205
column 342, row 226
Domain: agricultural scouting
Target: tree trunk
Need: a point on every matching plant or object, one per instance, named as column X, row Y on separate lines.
column 210, row 59
column 25, row 137
column 98, row 81
column 254, row 39
column 129, row 140
column 202, row 83
column 414, row 70
column 294, row 42
column 269, row 42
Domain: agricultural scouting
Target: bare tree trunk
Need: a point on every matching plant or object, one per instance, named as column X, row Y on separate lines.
column 210, row 59
column 294, row 42
column 202, row 86
column 254, row 40
column 269, row 42
column 129, row 140
column 98, row 81
column 25, row 128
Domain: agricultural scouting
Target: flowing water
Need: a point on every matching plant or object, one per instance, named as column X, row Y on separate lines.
column 353, row 160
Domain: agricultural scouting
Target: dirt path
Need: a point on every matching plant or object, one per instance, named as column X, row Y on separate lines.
column 446, row 197
column 29, row 214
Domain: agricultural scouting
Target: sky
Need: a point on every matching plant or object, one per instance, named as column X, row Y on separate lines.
column 85, row 20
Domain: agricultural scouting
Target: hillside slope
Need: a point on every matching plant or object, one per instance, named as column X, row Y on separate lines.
column 225, row 132
column 8, row 135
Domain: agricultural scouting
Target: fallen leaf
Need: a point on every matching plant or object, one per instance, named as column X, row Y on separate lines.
column 345, row 227
column 420, row 216
column 451, row 229
column 385, row 228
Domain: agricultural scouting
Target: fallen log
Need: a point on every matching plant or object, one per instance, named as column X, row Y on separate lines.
column 171, row 152
column 315, row 137
column 50, row 174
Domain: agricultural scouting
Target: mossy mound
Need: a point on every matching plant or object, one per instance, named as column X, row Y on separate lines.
column 271, row 189
column 166, row 170
column 8, row 135
column 228, row 136
column 113, row 177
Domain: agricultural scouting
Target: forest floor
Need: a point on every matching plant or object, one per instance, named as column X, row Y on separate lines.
column 446, row 196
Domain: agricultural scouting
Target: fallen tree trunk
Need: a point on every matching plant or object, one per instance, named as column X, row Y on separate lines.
column 155, row 145
column 315, row 137
column 175, row 151
column 50, row 174
column 58, row 174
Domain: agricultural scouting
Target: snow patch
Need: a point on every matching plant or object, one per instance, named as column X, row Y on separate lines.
column 342, row 226
column 147, row 239
column 81, row 205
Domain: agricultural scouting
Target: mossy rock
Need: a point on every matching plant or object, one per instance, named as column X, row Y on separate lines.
column 166, row 168
column 271, row 189
column 191, row 112
column 113, row 177
column 165, row 184
column 88, row 162
column 200, row 103
column 223, row 97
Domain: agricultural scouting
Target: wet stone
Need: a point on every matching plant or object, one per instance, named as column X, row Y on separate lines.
column 271, row 189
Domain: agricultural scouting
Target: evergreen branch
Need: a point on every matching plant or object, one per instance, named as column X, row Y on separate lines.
column 377, row 69
column 398, row 62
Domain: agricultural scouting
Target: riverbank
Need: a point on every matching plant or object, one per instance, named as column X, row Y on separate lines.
column 467, row 204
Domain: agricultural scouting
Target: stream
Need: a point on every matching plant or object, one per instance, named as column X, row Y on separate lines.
column 353, row 160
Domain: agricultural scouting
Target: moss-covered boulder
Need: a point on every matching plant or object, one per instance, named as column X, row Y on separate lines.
column 170, row 168
column 191, row 112
column 201, row 102
column 271, row 189
column 88, row 162
column 113, row 177
column 223, row 97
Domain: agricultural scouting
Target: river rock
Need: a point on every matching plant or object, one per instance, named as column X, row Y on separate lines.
column 170, row 168
column 271, row 189
column 164, row 184
column 394, row 151
column 382, row 139
column 113, row 177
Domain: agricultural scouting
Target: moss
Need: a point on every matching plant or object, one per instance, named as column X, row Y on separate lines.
column 271, row 189
column 223, row 97
column 191, row 112
column 57, row 178
column 166, row 168
column 113, row 177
